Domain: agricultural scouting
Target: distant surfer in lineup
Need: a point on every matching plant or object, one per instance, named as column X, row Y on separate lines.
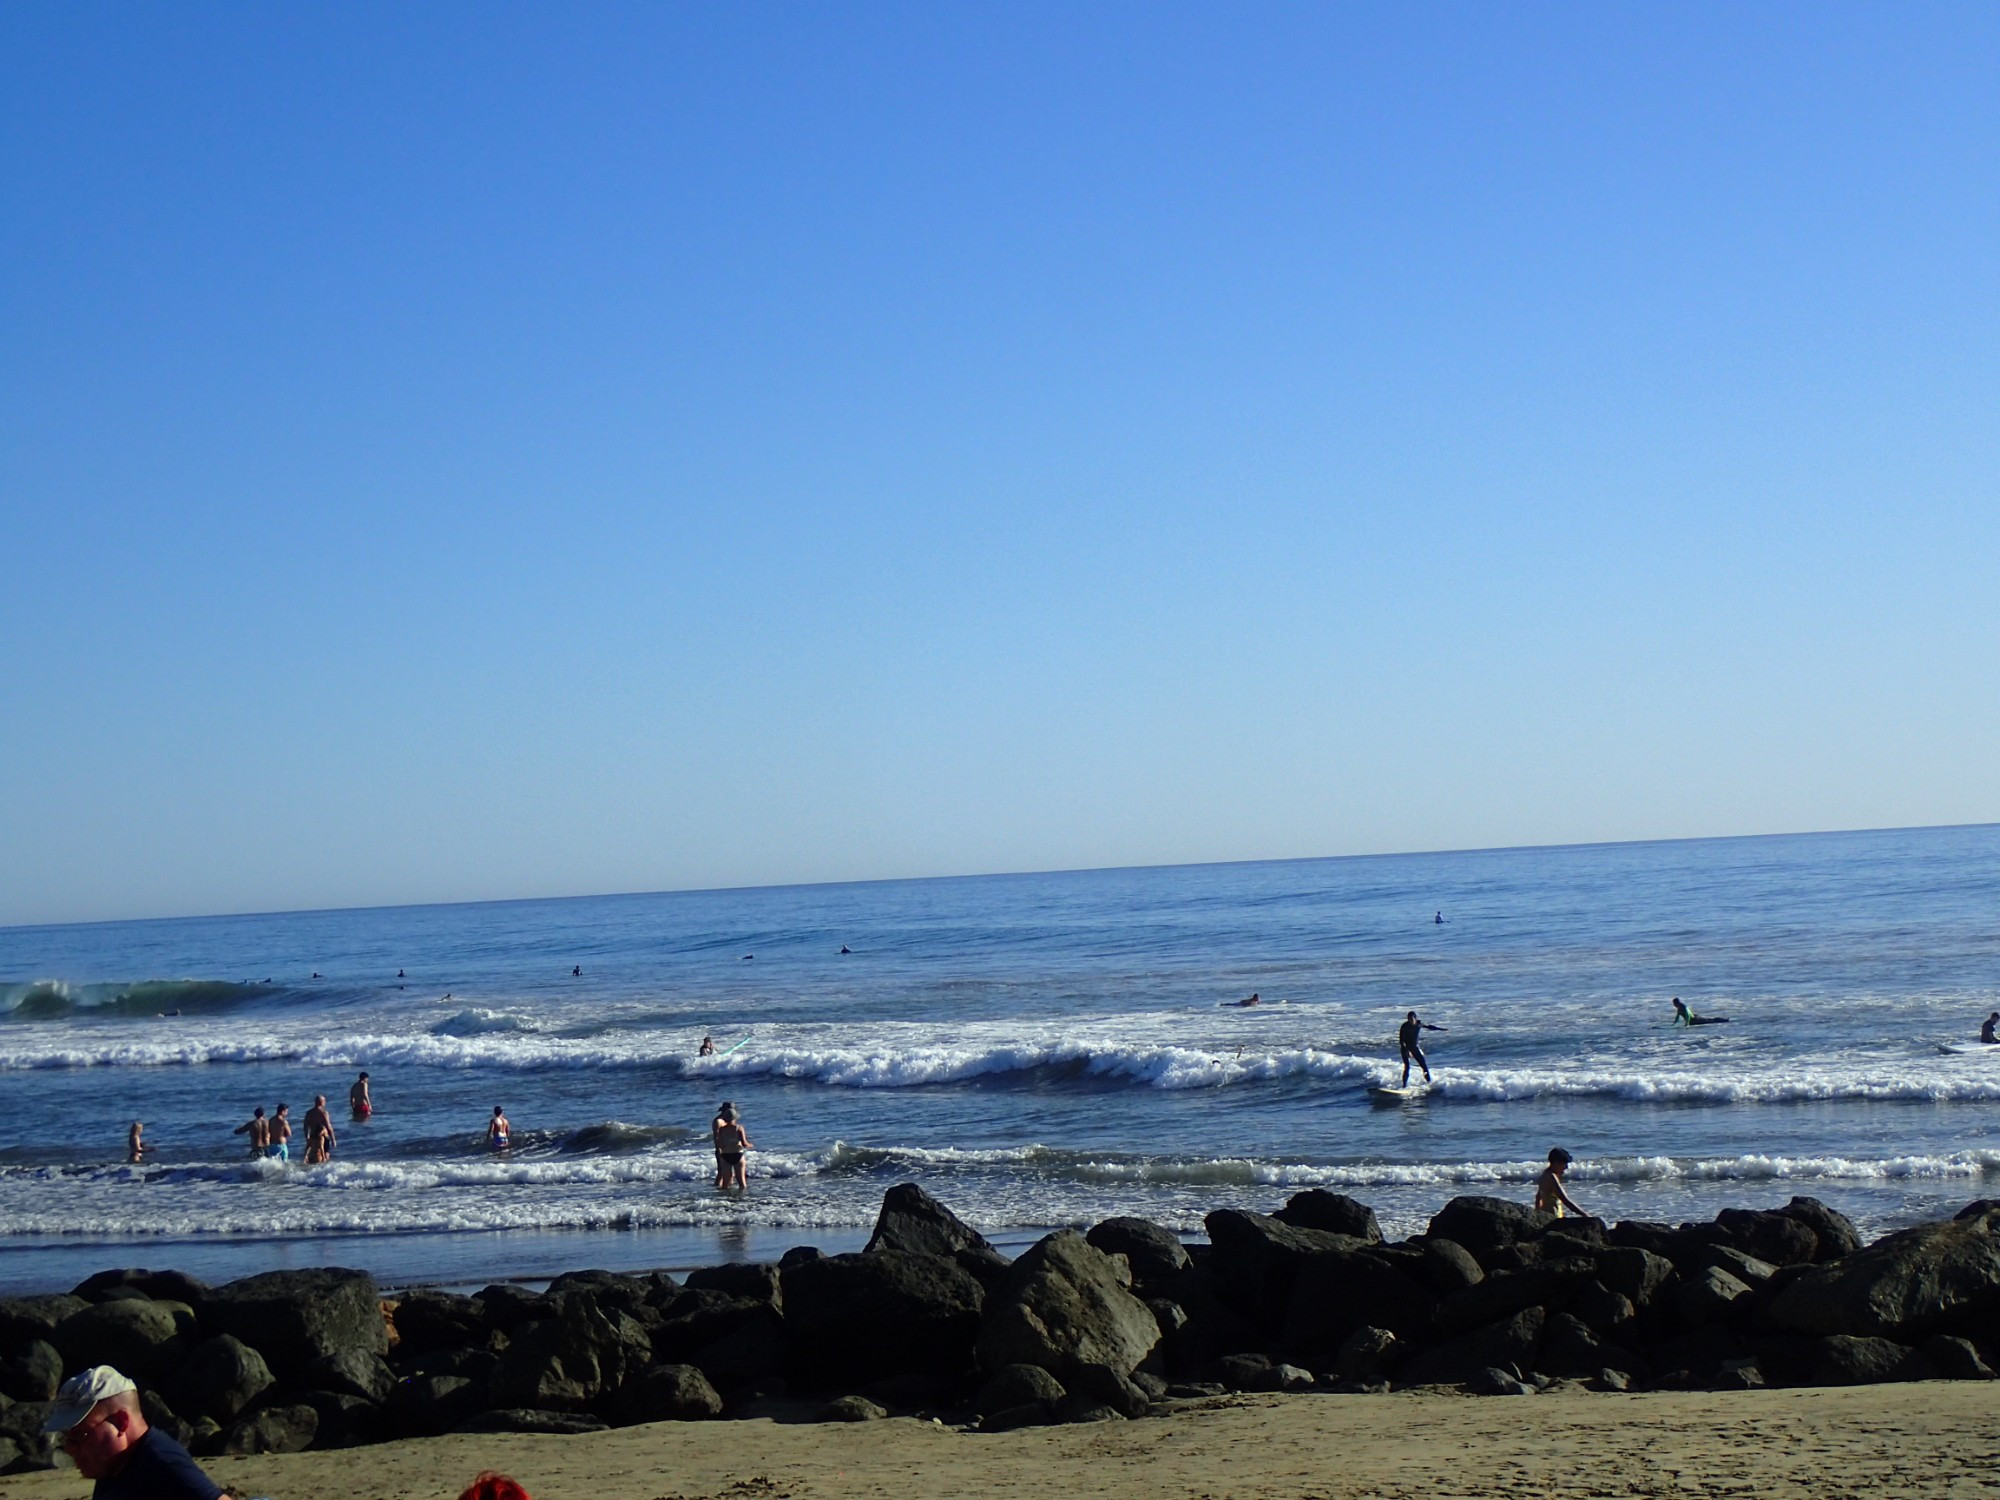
column 498, row 1131
column 845, row 949
column 1549, row 1195
column 1685, row 1017
column 1438, row 920
column 1986, row 1032
column 731, row 1142
column 1406, row 1043
column 1253, row 1000
column 707, row 1047
column 577, row 972
column 358, row 1100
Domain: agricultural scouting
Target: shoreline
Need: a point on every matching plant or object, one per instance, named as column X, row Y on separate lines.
column 1888, row 1442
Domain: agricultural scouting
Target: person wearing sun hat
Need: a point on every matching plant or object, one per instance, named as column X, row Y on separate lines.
column 109, row 1440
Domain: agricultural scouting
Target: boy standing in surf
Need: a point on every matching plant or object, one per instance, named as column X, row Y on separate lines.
column 1549, row 1195
column 358, row 1101
column 731, row 1142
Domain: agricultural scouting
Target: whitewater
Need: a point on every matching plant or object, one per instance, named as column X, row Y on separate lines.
column 1037, row 1050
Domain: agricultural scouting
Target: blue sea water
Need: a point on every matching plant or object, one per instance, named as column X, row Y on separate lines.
column 1038, row 1050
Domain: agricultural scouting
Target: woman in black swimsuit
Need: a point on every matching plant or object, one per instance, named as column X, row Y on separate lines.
column 731, row 1141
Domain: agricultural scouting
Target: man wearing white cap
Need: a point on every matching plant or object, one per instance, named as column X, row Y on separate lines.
column 106, row 1436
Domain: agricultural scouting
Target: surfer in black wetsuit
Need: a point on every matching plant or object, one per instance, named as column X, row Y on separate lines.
column 1406, row 1042
column 1986, row 1032
column 1685, row 1017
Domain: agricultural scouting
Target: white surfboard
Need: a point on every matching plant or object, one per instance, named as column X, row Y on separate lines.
column 1387, row 1095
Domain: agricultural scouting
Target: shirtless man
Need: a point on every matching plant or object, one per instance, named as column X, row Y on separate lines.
column 1549, row 1195
column 135, row 1147
column 319, row 1132
column 1406, row 1043
column 280, row 1148
column 358, row 1100
column 731, row 1141
column 1986, row 1032
column 707, row 1047
column 258, row 1129
column 498, row 1131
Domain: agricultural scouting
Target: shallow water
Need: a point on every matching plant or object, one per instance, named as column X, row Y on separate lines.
column 1037, row 1050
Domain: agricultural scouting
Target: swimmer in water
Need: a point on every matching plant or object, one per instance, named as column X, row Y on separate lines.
column 1438, row 920
column 1549, row 1195
column 707, row 1047
column 135, row 1145
column 498, row 1131
column 319, row 1132
column 359, row 1102
column 577, row 972
column 280, row 1148
column 258, row 1129
column 1406, row 1043
column 731, row 1142
column 1685, row 1017
column 845, row 949
column 1986, row 1032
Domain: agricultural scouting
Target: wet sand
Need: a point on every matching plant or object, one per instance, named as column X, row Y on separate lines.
column 1881, row 1442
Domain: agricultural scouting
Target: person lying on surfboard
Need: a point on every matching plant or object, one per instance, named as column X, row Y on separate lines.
column 1406, row 1042
column 1685, row 1017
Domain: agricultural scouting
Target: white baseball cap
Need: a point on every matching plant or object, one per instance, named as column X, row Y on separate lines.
column 80, row 1393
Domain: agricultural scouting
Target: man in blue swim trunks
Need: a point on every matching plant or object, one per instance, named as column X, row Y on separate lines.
column 281, row 1134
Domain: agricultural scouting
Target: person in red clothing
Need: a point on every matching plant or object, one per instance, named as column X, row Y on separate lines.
column 491, row 1486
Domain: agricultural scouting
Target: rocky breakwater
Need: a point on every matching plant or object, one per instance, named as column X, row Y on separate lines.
column 1113, row 1324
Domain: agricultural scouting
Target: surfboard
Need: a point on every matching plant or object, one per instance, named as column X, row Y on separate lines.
column 1388, row 1095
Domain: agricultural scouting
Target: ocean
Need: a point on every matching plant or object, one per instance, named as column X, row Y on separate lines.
column 1036, row 1050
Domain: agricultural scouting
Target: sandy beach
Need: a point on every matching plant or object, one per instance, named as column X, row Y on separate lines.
column 1881, row 1441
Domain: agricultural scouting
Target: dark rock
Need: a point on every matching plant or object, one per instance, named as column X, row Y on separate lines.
column 1483, row 1225
column 1694, row 1360
column 1014, row 1386
column 1368, row 1355
column 1496, row 1381
column 427, row 1320
column 1709, row 1297
column 353, row 1373
column 220, row 1379
column 1336, row 1213
column 914, row 1222
column 699, row 1317
column 521, row 1419
column 10, row 1454
column 1450, row 1267
column 666, row 1393
column 1776, row 1238
column 295, row 1317
column 153, row 1407
column 1501, row 1294
column 1611, row 1380
column 275, row 1429
column 849, row 1409
column 1063, row 1304
column 429, row 1405
column 1513, row 1341
column 1246, row 1372
column 610, row 1289
column 1032, row 1414
column 143, row 1339
column 1744, row 1266
column 1571, row 1347
column 24, row 1318
column 1740, row 1375
column 565, row 1362
column 345, row 1421
column 918, row 1391
column 205, row 1438
column 1954, row 1358
column 1842, row 1359
column 1934, row 1278
column 32, row 1372
column 754, row 1281
column 798, row 1255
column 21, row 1424
column 1834, row 1231
column 171, row 1286
column 1154, row 1253
column 1103, row 1386
column 1635, row 1273
column 746, row 1354
column 1254, row 1259
column 1335, row 1293
column 1602, row 1310
column 850, row 1319
column 509, row 1306
column 475, row 1365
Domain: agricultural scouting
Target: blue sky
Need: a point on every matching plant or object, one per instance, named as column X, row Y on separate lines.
column 470, row 451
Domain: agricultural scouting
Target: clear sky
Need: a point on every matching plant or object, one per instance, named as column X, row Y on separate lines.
column 460, row 451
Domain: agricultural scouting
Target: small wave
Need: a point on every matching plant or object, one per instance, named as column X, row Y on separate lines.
column 475, row 1021
column 52, row 1000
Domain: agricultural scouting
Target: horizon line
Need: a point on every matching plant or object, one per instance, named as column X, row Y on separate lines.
column 707, row 890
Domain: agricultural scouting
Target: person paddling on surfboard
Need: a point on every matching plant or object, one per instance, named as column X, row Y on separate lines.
column 1685, row 1017
column 1406, row 1042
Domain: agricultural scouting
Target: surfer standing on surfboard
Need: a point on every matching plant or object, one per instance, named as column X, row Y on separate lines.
column 1406, row 1042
